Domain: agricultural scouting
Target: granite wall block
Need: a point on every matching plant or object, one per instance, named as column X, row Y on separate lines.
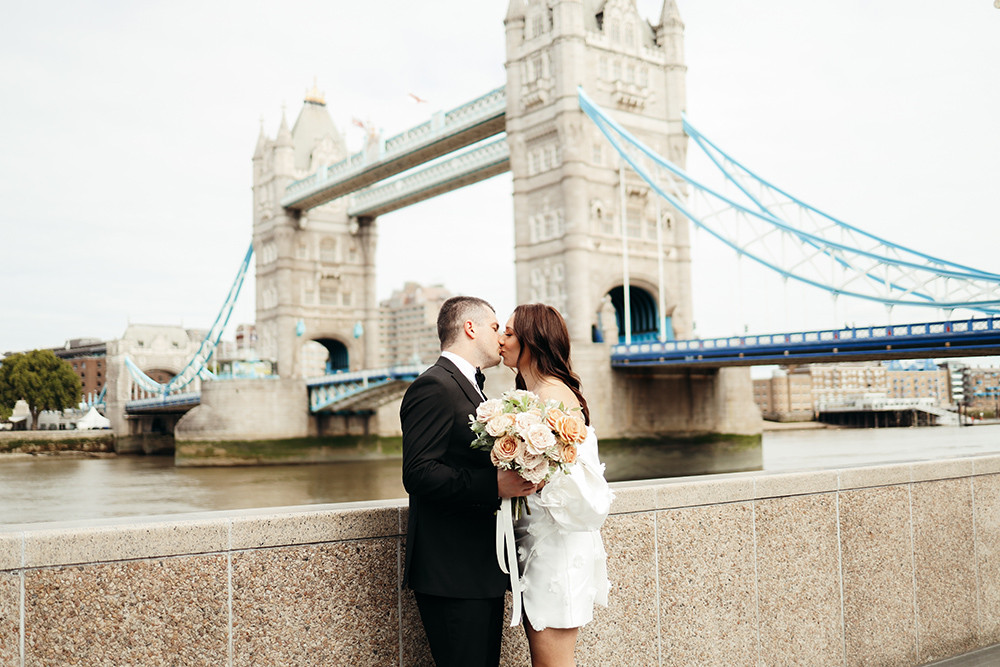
column 169, row 611
column 324, row 604
column 10, row 619
column 798, row 573
column 708, row 594
column 986, row 494
column 625, row 632
column 944, row 568
column 877, row 555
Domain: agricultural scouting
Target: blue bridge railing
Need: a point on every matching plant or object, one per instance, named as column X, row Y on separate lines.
column 970, row 337
column 351, row 389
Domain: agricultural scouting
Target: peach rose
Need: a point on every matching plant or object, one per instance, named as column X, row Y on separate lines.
column 567, row 453
column 538, row 438
column 571, row 429
column 500, row 424
column 504, row 450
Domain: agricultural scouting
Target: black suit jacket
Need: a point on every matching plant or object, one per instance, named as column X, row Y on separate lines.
column 451, row 532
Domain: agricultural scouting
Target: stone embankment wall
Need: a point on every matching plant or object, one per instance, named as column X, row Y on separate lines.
column 35, row 442
column 888, row 565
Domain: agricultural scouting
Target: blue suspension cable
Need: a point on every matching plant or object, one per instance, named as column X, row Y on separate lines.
column 607, row 125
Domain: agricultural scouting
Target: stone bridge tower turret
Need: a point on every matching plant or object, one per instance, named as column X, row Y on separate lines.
column 570, row 209
column 315, row 269
column 567, row 200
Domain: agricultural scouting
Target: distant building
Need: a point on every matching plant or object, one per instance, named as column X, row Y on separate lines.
column 409, row 325
column 956, row 381
column 786, row 396
column 239, row 359
column 982, row 390
column 839, row 383
column 919, row 379
column 88, row 357
column 798, row 393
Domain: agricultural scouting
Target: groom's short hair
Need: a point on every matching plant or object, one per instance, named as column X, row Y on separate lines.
column 453, row 314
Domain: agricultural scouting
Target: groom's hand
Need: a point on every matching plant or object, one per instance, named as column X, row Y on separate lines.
column 512, row 485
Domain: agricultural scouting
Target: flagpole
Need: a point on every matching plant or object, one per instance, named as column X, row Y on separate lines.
column 625, row 274
column 659, row 265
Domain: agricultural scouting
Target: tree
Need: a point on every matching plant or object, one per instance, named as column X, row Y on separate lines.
column 42, row 379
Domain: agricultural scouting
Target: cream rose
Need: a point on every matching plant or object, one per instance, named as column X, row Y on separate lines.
column 487, row 410
column 538, row 472
column 525, row 420
column 500, row 424
column 527, row 460
column 538, row 438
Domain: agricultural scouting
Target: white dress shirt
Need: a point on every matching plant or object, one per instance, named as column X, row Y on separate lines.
column 467, row 369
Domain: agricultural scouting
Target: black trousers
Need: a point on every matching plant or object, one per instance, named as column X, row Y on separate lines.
column 462, row 632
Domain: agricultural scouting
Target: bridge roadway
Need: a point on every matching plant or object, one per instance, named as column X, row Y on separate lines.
column 362, row 391
column 957, row 338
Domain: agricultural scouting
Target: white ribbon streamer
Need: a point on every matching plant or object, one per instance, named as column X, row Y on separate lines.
column 505, row 538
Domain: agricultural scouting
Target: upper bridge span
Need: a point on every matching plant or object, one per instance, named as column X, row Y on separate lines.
column 445, row 133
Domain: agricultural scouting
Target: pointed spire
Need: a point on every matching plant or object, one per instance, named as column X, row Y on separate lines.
column 515, row 10
column 670, row 15
column 261, row 141
column 284, row 134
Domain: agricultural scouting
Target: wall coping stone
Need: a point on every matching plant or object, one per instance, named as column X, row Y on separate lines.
column 25, row 546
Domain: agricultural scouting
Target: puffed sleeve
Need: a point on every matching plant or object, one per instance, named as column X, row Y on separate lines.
column 580, row 499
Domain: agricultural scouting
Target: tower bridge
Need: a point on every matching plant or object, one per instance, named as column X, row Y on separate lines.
column 590, row 124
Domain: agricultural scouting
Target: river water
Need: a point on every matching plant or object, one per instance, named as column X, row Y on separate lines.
column 41, row 489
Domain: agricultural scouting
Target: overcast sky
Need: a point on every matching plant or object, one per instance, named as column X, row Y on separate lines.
column 126, row 132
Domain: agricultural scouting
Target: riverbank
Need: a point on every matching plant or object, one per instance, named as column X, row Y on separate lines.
column 796, row 426
column 88, row 444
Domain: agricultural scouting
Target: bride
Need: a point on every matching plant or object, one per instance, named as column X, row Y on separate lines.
column 560, row 552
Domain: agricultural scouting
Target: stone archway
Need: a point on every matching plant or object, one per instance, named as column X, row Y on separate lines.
column 339, row 358
column 644, row 314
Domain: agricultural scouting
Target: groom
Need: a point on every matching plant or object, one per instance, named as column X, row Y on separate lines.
column 454, row 491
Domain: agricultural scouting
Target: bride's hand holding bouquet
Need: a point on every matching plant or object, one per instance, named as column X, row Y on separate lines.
column 534, row 438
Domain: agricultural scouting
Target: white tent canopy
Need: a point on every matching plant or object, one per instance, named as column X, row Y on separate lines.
column 92, row 420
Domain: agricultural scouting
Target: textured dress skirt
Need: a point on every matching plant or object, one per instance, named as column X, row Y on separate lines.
column 559, row 549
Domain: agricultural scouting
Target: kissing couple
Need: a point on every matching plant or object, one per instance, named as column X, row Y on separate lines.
column 455, row 492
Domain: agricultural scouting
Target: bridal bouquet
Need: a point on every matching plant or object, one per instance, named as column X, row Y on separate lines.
column 536, row 439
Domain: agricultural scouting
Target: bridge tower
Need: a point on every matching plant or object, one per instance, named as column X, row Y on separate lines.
column 571, row 203
column 567, row 197
column 315, row 270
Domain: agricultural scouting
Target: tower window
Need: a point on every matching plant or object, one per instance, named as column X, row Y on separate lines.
column 328, row 251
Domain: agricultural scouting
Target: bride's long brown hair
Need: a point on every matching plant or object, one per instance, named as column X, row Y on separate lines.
column 541, row 330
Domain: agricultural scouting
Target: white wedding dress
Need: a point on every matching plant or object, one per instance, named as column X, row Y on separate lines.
column 559, row 549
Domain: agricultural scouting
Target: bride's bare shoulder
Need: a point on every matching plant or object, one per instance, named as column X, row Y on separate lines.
column 555, row 390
